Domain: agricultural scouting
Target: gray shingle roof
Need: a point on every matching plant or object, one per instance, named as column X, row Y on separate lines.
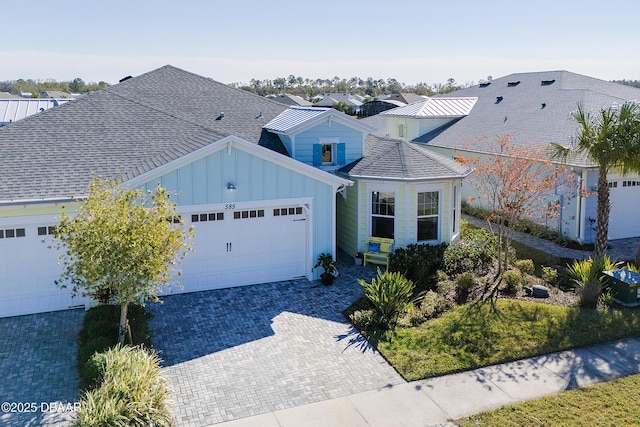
column 534, row 108
column 125, row 130
column 396, row 159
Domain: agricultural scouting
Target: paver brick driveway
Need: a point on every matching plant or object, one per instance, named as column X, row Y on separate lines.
column 38, row 368
column 238, row 352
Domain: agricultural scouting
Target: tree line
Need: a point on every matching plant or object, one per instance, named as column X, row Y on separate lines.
column 36, row 87
column 305, row 87
column 369, row 87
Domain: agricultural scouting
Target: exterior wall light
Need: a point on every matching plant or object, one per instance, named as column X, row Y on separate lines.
column 231, row 186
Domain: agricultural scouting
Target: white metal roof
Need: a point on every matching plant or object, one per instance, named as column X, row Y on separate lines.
column 292, row 117
column 435, row 107
column 12, row 110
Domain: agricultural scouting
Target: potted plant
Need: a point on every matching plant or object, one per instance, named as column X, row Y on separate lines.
column 328, row 265
column 359, row 258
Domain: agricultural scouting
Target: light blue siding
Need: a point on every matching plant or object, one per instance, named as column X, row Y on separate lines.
column 286, row 141
column 350, row 137
column 204, row 181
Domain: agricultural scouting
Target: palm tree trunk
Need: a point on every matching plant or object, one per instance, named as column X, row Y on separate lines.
column 603, row 209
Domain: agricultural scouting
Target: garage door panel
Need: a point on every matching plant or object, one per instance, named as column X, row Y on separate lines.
column 248, row 246
column 30, row 268
column 624, row 221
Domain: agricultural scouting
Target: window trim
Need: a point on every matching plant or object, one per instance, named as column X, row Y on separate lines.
column 394, row 192
column 438, row 215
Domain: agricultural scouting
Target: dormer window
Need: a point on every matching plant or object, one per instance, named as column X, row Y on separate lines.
column 401, row 131
column 327, row 154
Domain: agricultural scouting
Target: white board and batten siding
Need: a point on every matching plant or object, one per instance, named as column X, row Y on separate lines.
column 30, row 267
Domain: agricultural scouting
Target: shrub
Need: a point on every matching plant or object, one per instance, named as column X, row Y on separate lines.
column 87, row 374
column 584, row 271
column 365, row 319
column 389, row 294
column 433, row 305
column 549, row 274
column 419, row 263
column 512, row 281
column 475, row 253
column 464, row 284
column 132, row 393
column 100, row 332
column 525, row 266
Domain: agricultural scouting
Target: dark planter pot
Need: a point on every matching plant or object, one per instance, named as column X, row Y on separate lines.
column 326, row 279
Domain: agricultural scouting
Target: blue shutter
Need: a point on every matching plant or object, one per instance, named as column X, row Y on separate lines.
column 317, row 154
column 341, row 153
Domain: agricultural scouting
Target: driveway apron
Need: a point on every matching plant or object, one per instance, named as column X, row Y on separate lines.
column 245, row 351
column 38, row 377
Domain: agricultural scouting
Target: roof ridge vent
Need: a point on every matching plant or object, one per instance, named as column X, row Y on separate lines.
column 484, row 84
column 547, row 82
column 513, row 83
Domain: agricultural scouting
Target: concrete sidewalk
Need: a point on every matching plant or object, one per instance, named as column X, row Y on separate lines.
column 435, row 401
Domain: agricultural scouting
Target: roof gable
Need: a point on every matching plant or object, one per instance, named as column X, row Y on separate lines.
column 228, row 143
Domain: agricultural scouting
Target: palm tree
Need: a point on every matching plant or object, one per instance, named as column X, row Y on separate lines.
column 610, row 139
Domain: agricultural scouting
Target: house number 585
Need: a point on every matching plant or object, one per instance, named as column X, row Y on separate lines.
column 230, row 206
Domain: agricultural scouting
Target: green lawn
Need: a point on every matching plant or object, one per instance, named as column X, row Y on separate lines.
column 608, row 404
column 485, row 333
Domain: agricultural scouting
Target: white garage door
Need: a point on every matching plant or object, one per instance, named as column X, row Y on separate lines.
column 624, row 219
column 237, row 247
column 29, row 268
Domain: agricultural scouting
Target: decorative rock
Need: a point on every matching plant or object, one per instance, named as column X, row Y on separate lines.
column 539, row 291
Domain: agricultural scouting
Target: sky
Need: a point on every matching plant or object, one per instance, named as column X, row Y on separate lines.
column 233, row 41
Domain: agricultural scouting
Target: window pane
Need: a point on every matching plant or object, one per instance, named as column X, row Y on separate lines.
column 427, row 228
column 382, row 203
column 428, row 203
column 382, row 227
column 326, row 153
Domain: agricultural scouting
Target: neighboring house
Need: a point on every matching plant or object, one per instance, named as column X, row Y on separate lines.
column 405, row 98
column 288, row 99
column 421, row 117
column 12, row 110
column 7, row 95
column 535, row 110
column 258, row 214
column 374, row 107
column 351, row 100
column 58, row 94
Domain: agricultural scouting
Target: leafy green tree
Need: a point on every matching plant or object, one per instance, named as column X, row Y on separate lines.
column 123, row 240
column 610, row 139
column 78, row 85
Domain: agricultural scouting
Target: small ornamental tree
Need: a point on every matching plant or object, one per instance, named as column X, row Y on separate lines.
column 514, row 184
column 123, row 242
